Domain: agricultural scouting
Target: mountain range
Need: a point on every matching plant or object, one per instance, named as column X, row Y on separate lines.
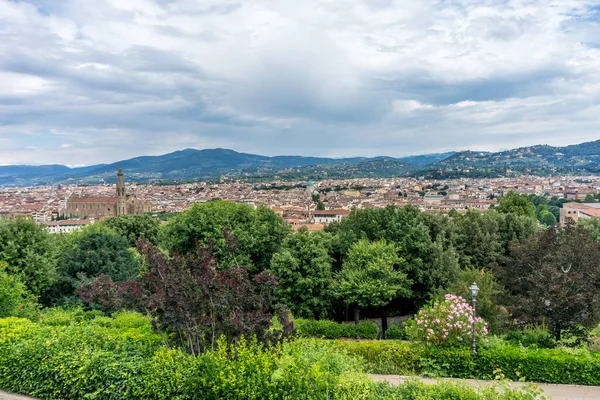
column 192, row 164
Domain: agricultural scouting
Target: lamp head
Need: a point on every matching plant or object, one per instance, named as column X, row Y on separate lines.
column 474, row 290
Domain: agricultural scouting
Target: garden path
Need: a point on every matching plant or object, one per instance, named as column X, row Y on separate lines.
column 556, row 392
column 12, row 396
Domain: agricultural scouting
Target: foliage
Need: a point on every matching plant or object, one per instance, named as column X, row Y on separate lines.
column 15, row 299
column 593, row 339
column 536, row 336
column 26, row 247
column 394, row 332
column 332, row 330
column 258, row 233
column 303, row 270
column 513, row 203
column 446, row 323
column 480, row 239
column 513, row 362
column 555, row 276
column 92, row 253
column 370, row 276
column 192, row 301
column 592, row 225
column 428, row 265
column 134, row 227
column 102, row 358
column 488, row 299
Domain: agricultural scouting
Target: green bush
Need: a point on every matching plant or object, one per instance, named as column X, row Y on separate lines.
column 567, row 366
column 532, row 336
column 394, row 332
column 332, row 330
column 15, row 299
column 76, row 359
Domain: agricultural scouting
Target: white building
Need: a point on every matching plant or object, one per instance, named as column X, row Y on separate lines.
column 68, row 225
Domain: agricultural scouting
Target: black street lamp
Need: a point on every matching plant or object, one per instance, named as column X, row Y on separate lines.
column 474, row 291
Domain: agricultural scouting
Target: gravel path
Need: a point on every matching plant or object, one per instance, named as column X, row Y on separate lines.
column 11, row 396
column 556, row 392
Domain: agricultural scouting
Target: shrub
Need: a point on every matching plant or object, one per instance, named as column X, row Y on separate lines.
column 532, row 336
column 394, row 331
column 446, row 323
column 575, row 366
column 76, row 361
column 593, row 340
column 332, row 330
column 15, row 299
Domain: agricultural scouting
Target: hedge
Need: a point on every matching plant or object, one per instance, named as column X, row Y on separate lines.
column 332, row 330
column 120, row 358
column 515, row 363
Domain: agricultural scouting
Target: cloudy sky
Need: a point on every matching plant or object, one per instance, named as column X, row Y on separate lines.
column 84, row 82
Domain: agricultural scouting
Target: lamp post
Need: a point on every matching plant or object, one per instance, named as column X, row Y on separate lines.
column 474, row 291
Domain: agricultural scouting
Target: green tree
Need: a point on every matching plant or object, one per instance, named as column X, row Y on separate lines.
column 91, row 253
column 134, row 227
column 589, row 199
column 592, row 225
column 547, row 218
column 26, row 248
column 516, row 204
column 407, row 228
column 302, row 268
column 370, row 276
column 476, row 238
column 320, row 206
column 15, row 299
column 240, row 234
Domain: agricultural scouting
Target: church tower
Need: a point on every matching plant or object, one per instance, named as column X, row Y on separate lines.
column 121, row 198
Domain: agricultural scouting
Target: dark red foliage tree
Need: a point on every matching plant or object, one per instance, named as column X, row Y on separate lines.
column 555, row 278
column 192, row 303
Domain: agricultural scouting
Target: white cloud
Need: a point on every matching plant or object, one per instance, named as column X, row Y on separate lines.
column 117, row 79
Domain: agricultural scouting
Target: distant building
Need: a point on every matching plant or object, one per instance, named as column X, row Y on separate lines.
column 67, row 225
column 328, row 216
column 572, row 212
column 105, row 207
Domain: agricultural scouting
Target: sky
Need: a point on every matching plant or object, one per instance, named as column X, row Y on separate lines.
column 86, row 82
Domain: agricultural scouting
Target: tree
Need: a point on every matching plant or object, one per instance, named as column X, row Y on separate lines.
column 589, row 198
column 92, row 253
column 303, row 270
column 192, row 302
column 554, row 277
column 26, row 248
column 592, row 225
column 258, row 233
column 476, row 238
column 320, row 206
column 516, row 204
column 370, row 276
column 547, row 218
column 134, row 227
column 407, row 227
column 15, row 299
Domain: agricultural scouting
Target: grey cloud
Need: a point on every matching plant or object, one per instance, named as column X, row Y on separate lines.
column 120, row 79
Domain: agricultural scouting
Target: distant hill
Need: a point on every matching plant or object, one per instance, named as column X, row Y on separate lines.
column 540, row 159
column 213, row 163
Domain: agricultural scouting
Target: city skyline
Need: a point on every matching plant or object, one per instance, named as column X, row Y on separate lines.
column 86, row 84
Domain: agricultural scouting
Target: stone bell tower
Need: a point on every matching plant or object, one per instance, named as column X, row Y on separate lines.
column 121, row 197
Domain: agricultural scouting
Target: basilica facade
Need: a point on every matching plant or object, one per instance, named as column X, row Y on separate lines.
column 105, row 207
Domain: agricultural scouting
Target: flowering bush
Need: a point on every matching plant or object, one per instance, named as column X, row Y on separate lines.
column 446, row 323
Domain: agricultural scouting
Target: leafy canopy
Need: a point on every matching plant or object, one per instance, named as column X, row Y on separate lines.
column 369, row 276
